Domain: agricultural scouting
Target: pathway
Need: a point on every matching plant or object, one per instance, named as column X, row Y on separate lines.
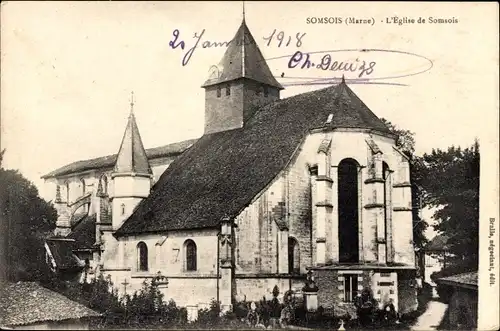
column 431, row 318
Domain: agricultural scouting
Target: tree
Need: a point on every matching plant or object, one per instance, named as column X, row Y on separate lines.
column 27, row 219
column 451, row 181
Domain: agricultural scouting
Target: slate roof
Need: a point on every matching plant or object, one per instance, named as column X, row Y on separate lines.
column 468, row 279
column 25, row 303
column 83, row 233
column 243, row 59
column 437, row 244
column 62, row 251
column 222, row 172
column 110, row 160
column 132, row 157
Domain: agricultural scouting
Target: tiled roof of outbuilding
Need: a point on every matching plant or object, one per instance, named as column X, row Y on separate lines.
column 62, row 251
column 464, row 279
column 438, row 244
column 25, row 303
column 222, row 172
column 84, row 233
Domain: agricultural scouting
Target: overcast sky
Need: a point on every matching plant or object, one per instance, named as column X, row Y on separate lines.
column 68, row 69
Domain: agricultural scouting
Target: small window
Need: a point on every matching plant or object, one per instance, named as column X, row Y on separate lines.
column 190, row 250
column 228, row 89
column 123, row 208
column 142, row 256
column 350, row 287
column 266, row 91
column 218, row 92
column 104, row 184
column 82, row 181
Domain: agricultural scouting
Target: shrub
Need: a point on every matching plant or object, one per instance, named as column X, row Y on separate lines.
column 209, row 316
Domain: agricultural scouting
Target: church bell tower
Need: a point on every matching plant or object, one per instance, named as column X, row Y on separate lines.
column 239, row 85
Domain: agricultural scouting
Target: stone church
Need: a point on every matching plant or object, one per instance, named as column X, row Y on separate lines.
column 275, row 188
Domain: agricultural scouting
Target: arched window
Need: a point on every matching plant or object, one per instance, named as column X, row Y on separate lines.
column 218, row 91
column 142, row 256
column 228, row 89
column 293, row 256
column 122, row 206
column 67, row 191
column 190, row 253
column 348, row 211
column 82, row 182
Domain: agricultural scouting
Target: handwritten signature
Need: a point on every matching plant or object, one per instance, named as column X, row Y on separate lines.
column 326, row 64
column 280, row 37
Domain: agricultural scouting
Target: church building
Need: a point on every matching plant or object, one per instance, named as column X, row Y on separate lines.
column 275, row 188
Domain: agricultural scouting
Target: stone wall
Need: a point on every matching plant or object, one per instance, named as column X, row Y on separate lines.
column 462, row 308
column 167, row 255
column 407, row 291
column 397, row 285
column 255, row 288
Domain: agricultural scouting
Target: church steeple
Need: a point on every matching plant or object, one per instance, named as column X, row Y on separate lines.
column 132, row 155
column 238, row 85
column 132, row 175
column 243, row 59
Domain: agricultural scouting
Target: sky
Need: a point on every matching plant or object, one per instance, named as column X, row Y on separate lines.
column 68, row 69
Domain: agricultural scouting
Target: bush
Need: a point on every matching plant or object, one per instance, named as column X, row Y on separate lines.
column 209, row 316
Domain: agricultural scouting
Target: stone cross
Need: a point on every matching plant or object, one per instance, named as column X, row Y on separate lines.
column 125, row 284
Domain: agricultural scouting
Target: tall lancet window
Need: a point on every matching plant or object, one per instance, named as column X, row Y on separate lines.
column 190, row 254
column 218, row 91
column 142, row 256
column 228, row 89
column 348, row 211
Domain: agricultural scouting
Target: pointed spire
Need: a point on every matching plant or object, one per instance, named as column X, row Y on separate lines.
column 132, row 156
column 243, row 11
column 243, row 59
column 132, row 102
column 343, row 79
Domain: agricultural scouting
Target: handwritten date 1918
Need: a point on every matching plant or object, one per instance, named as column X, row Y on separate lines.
column 281, row 37
column 327, row 64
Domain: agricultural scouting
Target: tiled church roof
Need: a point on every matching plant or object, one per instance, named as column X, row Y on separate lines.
column 222, row 172
column 243, row 59
column 110, row 160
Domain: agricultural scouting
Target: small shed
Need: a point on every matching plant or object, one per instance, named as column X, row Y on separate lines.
column 30, row 306
column 462, row 306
